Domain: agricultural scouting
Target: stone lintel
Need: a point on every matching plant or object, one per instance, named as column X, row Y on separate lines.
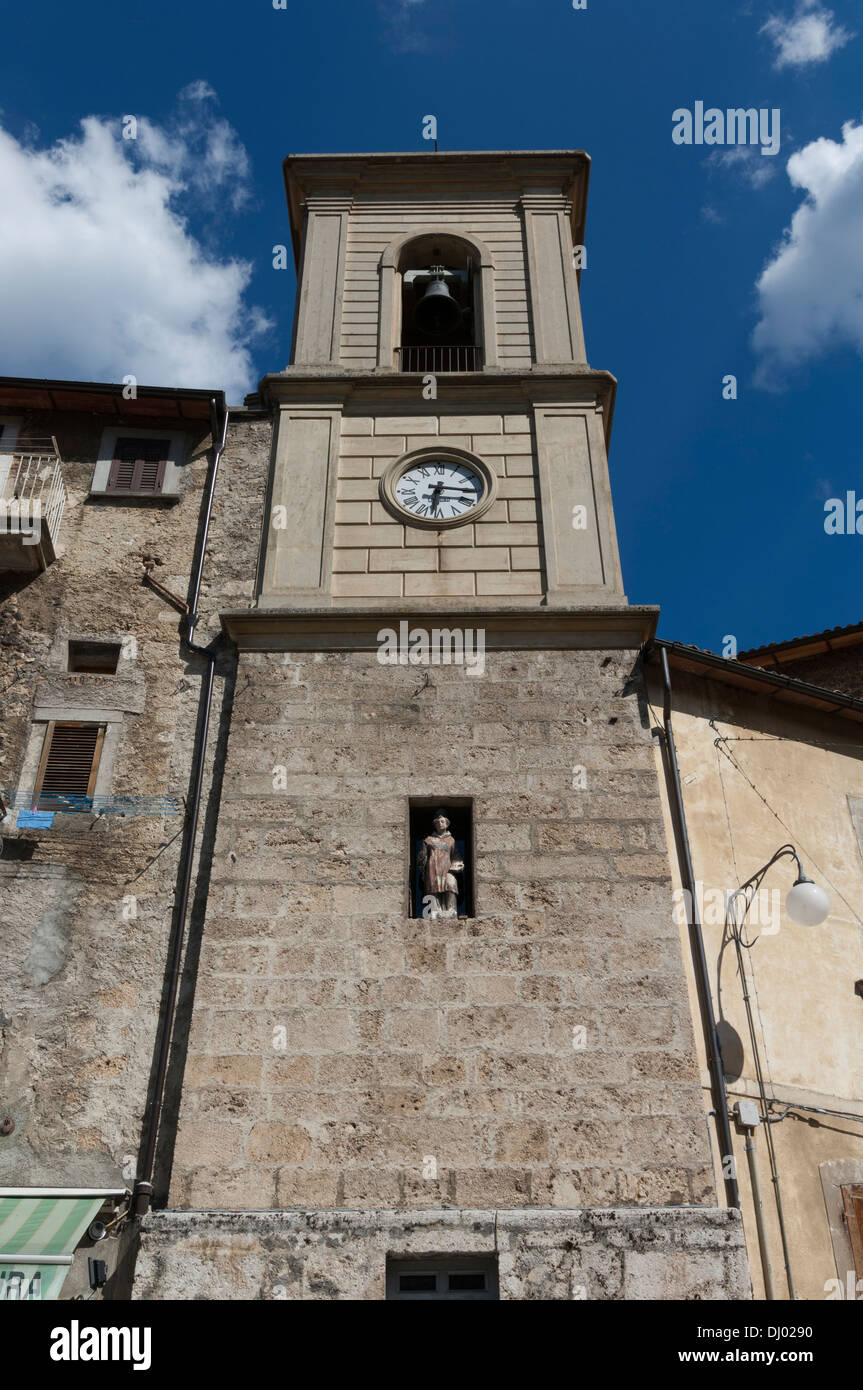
column 650, row 1253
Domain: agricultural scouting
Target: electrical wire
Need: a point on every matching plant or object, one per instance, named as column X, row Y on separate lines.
column 785, row 738
column 719, row 742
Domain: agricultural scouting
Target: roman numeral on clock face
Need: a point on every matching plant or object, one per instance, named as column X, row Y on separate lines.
column 443, row 491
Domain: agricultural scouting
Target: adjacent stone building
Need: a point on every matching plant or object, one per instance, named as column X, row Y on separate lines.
column 100, row 705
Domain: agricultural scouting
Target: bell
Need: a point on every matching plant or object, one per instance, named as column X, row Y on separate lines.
column 437, row 312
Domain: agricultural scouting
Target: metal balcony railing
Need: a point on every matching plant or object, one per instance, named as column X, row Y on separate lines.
column 32, row 494
column 439, row 359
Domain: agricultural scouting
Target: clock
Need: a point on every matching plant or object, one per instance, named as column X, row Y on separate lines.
column 438, row 488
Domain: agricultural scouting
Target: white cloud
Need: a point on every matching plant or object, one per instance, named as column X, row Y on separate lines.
column 807, row 36
column 198, row 148
column 101, row 278
column 401, row 33
column 811, row 292
column 747, row 161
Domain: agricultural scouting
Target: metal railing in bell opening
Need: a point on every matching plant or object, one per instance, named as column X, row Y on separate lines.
column 439, row 358
column 102, row 805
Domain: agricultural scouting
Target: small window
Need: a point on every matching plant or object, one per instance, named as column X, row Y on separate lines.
column 68, row 766
column 138, row 465
column 456, row 1277
column 96, row 658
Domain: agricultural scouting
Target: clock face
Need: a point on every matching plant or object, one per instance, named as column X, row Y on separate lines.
column 440, row 490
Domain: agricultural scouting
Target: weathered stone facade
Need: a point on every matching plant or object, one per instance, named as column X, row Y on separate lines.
column 406, row 1037
column 87, row 903
column 622, row 1253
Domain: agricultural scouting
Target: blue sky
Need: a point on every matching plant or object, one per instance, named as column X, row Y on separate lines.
column 719, row 503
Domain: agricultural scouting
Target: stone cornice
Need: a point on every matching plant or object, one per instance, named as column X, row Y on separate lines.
column 463, row 174
column 498, row 391
column 505, row 628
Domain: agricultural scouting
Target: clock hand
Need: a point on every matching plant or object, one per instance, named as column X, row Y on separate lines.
column 441, row 486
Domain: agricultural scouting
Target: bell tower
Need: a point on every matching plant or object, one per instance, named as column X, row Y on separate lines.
column 438, row 309
column 440, row 1043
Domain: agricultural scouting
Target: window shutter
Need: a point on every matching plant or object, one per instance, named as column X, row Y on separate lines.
column 138, row 465
column 852, row 1198
column 70, row 761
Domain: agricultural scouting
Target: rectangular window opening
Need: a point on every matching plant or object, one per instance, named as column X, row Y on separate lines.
column 95, row 658
column 67, row 769
column 464, row 1277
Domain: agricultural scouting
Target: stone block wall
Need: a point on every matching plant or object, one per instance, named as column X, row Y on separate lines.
column 344, row 1054
column 622, row 1253
column 85, row 906
column 499, row 555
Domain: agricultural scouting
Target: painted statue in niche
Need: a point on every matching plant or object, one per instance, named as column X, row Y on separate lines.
column 438, row 868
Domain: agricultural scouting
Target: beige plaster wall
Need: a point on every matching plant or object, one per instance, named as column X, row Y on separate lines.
column 796, row 773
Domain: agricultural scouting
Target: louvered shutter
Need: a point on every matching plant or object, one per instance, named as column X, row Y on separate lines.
column 853, row 1201
column 138, row 465
column 67, row 773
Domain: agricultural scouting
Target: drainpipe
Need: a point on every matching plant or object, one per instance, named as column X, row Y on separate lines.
column 143, row 1190
column 748, row 1120
column 702, row 975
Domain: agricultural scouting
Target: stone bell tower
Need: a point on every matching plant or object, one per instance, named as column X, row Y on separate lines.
column 503, row 379
column 399, row 1086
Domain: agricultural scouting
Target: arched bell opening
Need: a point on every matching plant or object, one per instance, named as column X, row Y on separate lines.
column 455, row 329
column 439, row 330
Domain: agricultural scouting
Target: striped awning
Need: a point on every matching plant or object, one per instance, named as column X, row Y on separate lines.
column 39, row 1230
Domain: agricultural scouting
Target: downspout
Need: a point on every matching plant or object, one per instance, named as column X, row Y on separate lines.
column 143, row 1190
column 702, row 975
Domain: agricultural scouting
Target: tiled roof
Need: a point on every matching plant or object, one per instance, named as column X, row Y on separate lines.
column 797, row 648
column 780, row 687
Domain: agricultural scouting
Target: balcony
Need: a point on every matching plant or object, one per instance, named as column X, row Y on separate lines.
column 440, row 359
column 32, row 498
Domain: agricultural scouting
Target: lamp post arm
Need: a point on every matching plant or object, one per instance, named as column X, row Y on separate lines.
column 746, row 891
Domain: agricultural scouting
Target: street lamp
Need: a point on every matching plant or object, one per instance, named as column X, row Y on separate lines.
column 808, row 905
